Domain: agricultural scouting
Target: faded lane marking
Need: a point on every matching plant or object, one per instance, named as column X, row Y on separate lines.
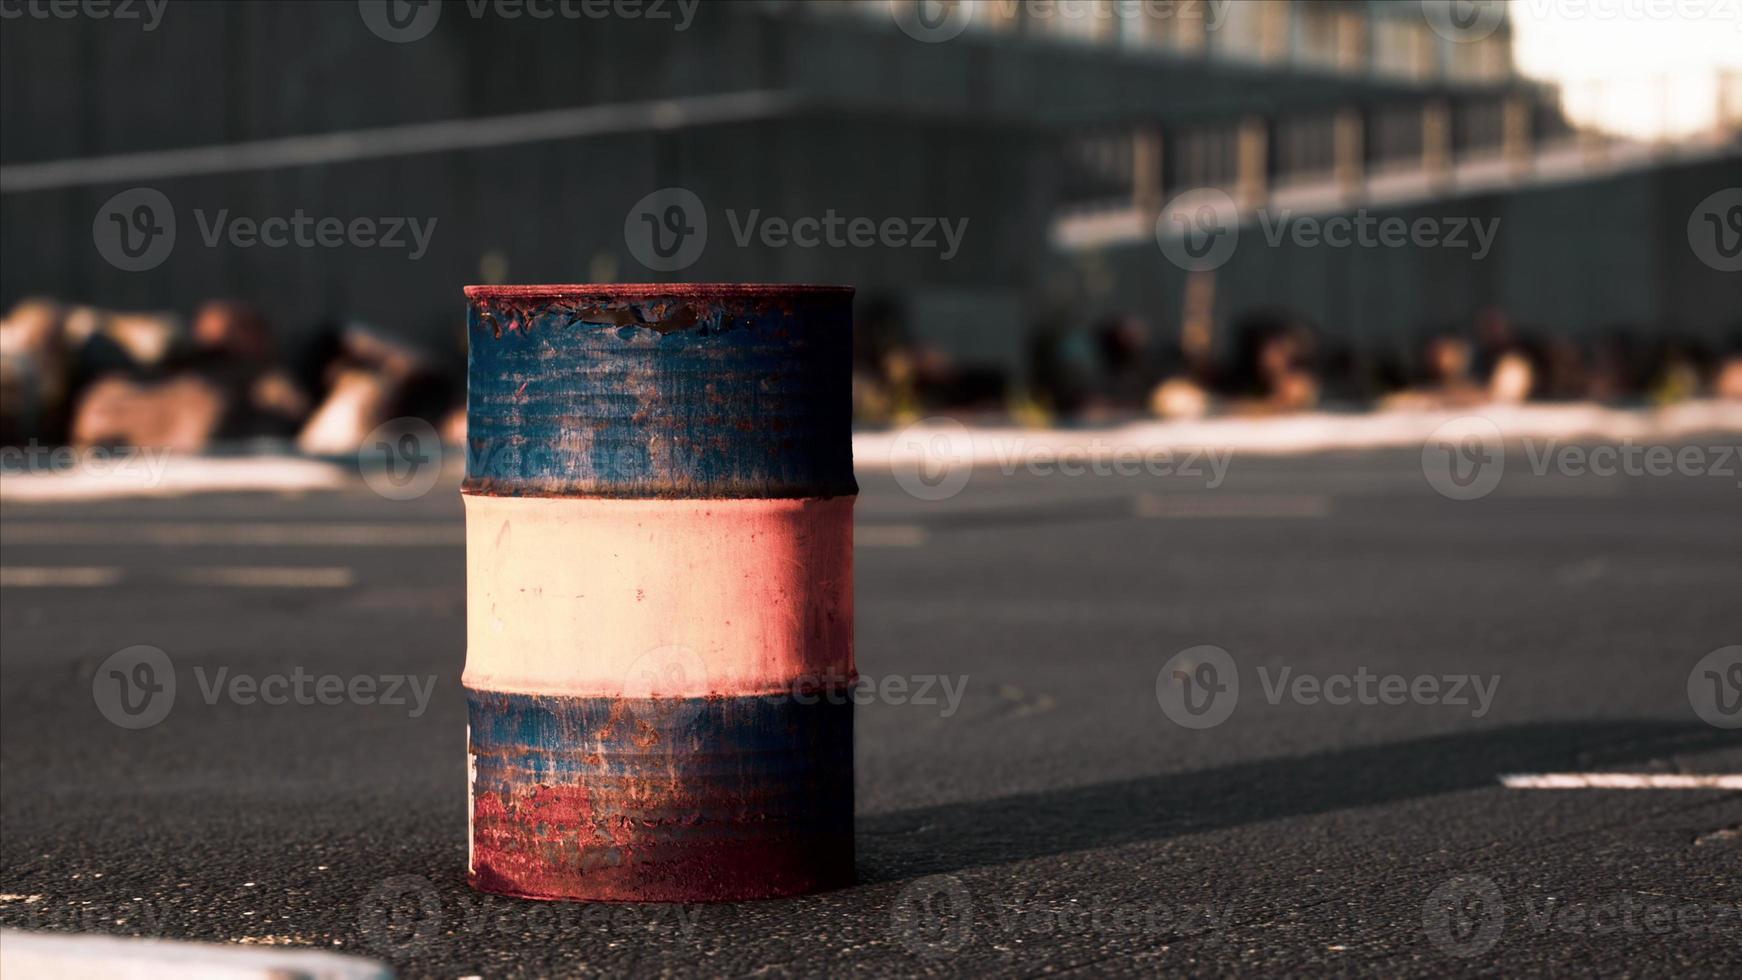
column 238, row 576
column 282, row 534
column 263, row 577
column 66, row 577
column 889, row 536
column 1219, row 505
column 1619, row 780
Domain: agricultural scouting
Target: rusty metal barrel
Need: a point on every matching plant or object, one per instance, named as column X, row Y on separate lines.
column 659, row 591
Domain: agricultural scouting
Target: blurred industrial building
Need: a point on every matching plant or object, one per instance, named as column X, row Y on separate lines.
column 1054, row 135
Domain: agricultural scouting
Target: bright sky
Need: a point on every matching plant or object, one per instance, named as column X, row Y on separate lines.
column 1638, row 66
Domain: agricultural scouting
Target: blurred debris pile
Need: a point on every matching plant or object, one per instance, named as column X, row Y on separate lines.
column 82, row 376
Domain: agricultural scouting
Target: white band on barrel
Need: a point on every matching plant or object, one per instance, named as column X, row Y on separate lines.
column 605, row 597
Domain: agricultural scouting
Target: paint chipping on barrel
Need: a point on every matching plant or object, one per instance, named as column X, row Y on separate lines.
column 690, row 395
column 740, row 798
column 659, row 585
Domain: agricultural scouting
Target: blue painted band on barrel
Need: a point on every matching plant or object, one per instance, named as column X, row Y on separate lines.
column 661, row 799
column 680, row 391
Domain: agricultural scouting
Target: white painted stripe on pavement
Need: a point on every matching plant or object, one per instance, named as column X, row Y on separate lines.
column 1214, row 504
column 238, row 576
column 161, row 473
column 42, row 954
column 280, row 534
column 1189, row 442
column 62, row 577
column 268, row 577
column 1619, row 780
column 889, row 536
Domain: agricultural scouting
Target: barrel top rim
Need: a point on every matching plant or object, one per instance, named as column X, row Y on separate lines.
column 647, row 290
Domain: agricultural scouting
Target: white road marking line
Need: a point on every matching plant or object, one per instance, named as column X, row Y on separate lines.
column 889, row 536
column 44, row 954
column 239, row 576
column 1618, row 780
column 265, row 577
column 263, row 535
column 63, row 577
column 1220, row 505
column 404, row 140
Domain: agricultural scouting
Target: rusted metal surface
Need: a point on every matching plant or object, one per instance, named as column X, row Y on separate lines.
column 633, row 799
column 659, row 577
column 666, row 391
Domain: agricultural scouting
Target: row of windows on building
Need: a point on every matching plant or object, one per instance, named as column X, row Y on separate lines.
column 1353, row 37
column 1103, row 166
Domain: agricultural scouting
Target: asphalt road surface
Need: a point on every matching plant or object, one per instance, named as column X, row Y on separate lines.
column 1049, row 816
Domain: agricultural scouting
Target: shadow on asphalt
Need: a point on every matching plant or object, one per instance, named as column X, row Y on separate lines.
column 956, row 837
